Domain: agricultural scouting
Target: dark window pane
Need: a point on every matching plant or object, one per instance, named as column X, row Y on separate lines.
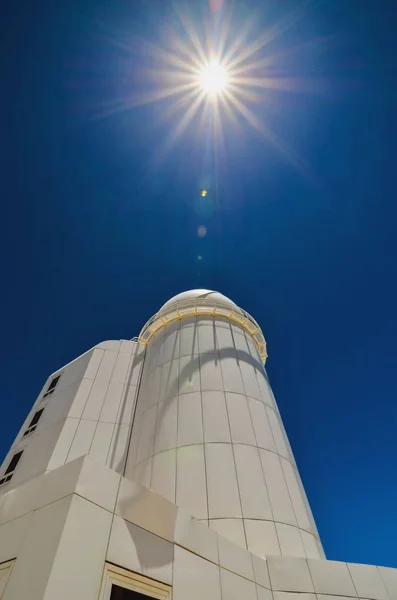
column 14, row 461
column 119, row 593
column 36, row 417
column 53, row 383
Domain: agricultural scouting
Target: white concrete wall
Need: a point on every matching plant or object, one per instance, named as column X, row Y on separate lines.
column 102, row 410
column 208, row 437
column 89, row 412
column 58, row 531
column 40, row 445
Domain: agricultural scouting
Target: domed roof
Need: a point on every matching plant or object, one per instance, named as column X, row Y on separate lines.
column 193, row 295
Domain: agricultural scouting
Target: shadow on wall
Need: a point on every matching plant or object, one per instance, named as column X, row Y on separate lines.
column 186, row 375
column 136, row 361
column 152, row 554
column 193, row 367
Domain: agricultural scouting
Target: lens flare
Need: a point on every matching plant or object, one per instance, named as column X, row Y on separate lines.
column 202, row 231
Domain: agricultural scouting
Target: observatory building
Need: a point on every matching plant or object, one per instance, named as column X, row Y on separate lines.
column 159, row 468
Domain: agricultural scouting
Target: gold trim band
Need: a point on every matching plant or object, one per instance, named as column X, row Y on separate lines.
column 208, row 308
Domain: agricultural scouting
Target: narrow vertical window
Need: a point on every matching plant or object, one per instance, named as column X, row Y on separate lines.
column 9, row 472
column 52, row 386
column 33, row 423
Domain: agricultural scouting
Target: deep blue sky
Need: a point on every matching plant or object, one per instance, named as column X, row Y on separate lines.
column 98, row 229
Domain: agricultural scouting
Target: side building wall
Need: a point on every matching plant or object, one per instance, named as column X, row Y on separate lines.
column 89, row 411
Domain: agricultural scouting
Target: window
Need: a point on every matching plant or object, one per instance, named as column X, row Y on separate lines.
column 9, row 472
column 52, row 386
column 33, row 423
column 120, row 584
column 119, row 593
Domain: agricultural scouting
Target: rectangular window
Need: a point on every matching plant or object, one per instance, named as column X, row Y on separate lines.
column 52, row 386
column 33, row 423
column 119, row 593
column 120, row 584
column 9, row 472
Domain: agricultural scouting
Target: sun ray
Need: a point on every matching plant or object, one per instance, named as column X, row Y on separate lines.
column 224, row 34
column 180, row 127
column 113, row 107
column 235, row 47
column 273, row 138
column 173, row 60
column 269, row 36
column 193, row 37
column 182, row 103
column 218, row 128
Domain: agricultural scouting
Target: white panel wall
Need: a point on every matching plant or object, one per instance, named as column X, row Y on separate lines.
column 58, row 530
column 89, row 412
column 208, row 436
column 104, row 419
column 40, row 445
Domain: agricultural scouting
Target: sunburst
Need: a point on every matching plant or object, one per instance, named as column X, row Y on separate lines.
column 214, row 73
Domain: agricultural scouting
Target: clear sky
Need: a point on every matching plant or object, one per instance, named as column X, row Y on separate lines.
column 101, row 212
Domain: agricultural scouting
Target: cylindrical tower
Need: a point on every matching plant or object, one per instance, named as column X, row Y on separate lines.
column 207, row 433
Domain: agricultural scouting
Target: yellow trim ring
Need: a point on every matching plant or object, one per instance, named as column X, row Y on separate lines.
column 205, row 308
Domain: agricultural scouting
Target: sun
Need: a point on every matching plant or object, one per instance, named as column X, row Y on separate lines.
column 214, row 74
column 213, row 78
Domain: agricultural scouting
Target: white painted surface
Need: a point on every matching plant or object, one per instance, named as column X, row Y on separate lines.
column 163, row 476
column 191, row 484
column 89, row 412
column 253, row 492
column 29, row 577
column 61, row 529
column 194, row 577
column 223, row 492
column 235, row 559
column 290, row 540
column 216, row 422
column 261, row 537
column 261, row 572
column 368, row 582
column 12, row 536
column 240, row 420
column 230, row 529
column 389, row 578
column 80, row 556
column 280, row 500
column 204, row 393
column 138, row 550
column 190, row 419
column 331, row 577
column 146, row 509
column 235, row 587
column 289, row 574
column 195, row 536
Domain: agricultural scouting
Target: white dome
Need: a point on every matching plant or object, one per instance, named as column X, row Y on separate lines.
column 220, row 299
